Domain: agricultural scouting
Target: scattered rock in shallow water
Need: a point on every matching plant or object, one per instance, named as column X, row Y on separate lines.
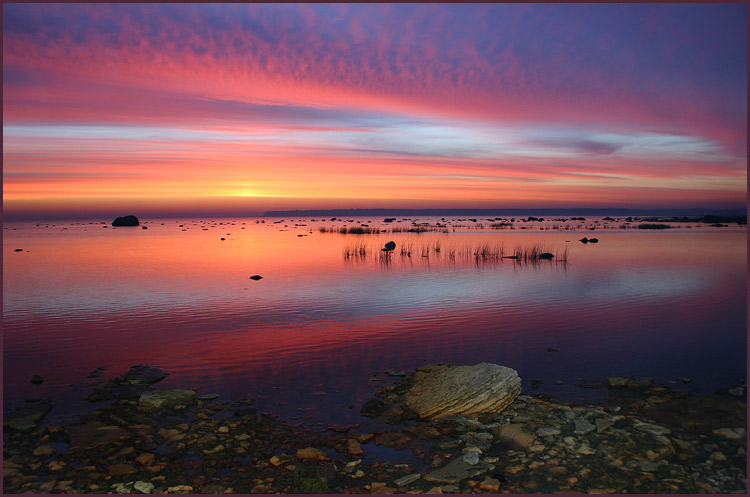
column 158, row 399
column 208, row 396
column 514, row 435
column 583, row 427
column 628, row 382
column 141, row 375
column 143, row 487
column 121, row 469
column 546, row 255
column 256, row 277
column 395, row 372
column 466, row 390
column 456, row 471
column 736, row 391
column 405, row 480
column 312, row 453
column 370, row 407
column 730, row 433
column 37, row 380
column 25, row 417
column 17, row 250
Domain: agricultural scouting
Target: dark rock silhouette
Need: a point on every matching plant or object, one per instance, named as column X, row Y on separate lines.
column 126, row 221
column 593, row 240
column 584, row 240
column 546, row 255
column 256, row 277
column 389, row 246
column 37, row 380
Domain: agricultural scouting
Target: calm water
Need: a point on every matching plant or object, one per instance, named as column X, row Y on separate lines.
column 81, row 296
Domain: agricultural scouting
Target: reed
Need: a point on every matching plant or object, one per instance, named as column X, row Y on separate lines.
column 654, row 226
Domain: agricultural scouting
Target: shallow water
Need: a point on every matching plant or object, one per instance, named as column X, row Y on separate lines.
column 306, row 339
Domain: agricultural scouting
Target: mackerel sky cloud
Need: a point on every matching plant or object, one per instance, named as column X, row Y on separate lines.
column 245, row 108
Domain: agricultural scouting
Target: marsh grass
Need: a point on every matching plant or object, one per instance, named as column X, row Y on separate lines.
column 654, row 226
column 479, row 254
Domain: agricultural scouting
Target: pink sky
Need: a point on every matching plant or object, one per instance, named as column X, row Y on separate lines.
column 246, row 108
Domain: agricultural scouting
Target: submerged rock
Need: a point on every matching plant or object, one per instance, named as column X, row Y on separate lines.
column 466, row 390
column 158, row 399
column 26, row 417
column 141, row 375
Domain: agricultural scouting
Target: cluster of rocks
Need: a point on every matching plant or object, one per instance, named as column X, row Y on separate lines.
column 485, row 438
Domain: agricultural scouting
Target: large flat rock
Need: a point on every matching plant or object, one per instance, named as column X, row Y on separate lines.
column 466, row 390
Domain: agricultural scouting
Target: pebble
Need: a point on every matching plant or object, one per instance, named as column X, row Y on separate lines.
column 405, row 480
column 44, row 450
column 490, row 484
column 546, row 431
column 471, row 458
column 730, row 433
column 143, row 487
column 583, row 427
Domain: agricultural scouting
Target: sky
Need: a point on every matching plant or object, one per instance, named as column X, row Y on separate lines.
column 238, row 109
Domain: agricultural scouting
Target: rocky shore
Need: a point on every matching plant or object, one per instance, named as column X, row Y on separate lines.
column 641, row 439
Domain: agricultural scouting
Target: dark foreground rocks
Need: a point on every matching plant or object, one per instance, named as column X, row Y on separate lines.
column 640, row 440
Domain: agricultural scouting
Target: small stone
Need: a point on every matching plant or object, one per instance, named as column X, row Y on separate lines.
column 585, row 450
column 490, row 484
column 120, row 469
column 717, row 456
column 275, row 461
column 146, row 459
column 546, row 431
column 256, row 277
column 648, row 466
column 143, row 487
column 435, row 491
column 617, row 381
column 37, row 380
column 218, row 448
column 121, row 488
column 44, row 450
column 179, row 488
column 56, row 466
column 223, row 429
column 405, row 480
column 471, row 458
column 352, row 464
column 730, row 433
column 736, row 391
column 395, row 372
column 354, row 448
column 312, row 453
column 583, row 427
column 603, row 423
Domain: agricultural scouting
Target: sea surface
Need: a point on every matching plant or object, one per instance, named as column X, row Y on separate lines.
column 311, row 340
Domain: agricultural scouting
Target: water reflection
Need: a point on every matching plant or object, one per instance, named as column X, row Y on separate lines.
column 332, row 309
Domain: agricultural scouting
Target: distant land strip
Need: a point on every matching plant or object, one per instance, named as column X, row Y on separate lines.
column 505, row 212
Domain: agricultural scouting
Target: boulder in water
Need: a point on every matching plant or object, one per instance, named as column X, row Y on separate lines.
column 465, row 390
column 126, row 221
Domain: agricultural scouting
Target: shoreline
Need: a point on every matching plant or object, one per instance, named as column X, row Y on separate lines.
column 641, row 439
